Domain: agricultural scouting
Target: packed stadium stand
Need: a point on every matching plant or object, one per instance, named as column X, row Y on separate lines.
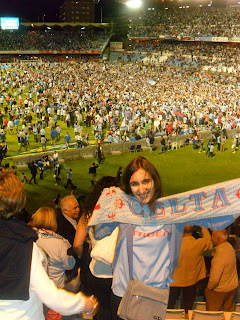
column 58, row 38
column 185, row 22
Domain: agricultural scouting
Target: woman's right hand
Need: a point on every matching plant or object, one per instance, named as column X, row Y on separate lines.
column 91, row 308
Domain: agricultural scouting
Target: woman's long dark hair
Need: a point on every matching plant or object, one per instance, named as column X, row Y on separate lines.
column 93, row 196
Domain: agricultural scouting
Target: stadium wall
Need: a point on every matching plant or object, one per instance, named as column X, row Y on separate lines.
column 115, row 148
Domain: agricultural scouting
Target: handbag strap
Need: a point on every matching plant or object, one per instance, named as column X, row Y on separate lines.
column 129, row 234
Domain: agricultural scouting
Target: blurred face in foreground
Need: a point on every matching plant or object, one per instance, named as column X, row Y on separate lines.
column 142, row 186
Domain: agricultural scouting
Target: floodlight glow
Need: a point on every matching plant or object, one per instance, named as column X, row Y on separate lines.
column 134, row 4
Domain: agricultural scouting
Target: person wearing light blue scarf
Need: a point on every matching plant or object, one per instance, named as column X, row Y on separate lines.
column 159, row 223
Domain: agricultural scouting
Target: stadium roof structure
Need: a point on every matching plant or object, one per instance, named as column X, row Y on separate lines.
column 65, row 24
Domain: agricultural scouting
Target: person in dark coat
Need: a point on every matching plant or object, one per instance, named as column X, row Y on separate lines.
column 33, row 170
column 67, row 218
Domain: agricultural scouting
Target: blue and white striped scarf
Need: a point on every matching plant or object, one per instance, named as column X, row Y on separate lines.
column 222, row 199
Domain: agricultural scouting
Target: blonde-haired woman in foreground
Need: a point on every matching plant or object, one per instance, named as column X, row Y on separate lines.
column 25, row 285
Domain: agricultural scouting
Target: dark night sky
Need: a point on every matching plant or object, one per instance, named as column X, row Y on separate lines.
column 30, row 9
column 33, row 10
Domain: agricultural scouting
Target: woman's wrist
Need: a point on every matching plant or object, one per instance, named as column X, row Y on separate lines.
column 84, row 299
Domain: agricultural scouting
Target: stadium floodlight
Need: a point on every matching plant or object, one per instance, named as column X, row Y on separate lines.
column 134, row 4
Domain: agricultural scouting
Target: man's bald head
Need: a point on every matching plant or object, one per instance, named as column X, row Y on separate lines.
column 219, row 237
column 188, row 229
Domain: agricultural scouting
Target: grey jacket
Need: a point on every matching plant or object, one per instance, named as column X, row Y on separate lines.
column 56, row 248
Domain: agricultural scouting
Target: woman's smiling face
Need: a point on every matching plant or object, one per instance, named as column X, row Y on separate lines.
column 142, row 186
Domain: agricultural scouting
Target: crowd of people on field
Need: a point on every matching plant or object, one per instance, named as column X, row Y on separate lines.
column 119, row 102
